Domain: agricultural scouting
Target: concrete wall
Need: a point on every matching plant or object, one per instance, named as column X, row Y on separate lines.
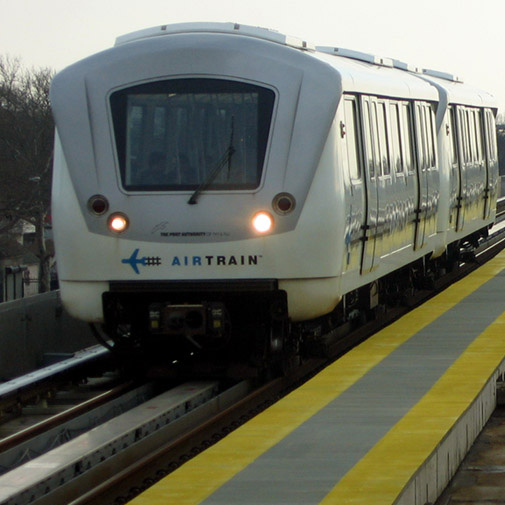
column 33, row 326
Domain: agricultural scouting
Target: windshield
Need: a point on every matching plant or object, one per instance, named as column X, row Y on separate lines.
column 173, row 134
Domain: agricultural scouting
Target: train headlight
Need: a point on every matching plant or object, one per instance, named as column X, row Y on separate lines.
column 118, row 222
column 263, row 222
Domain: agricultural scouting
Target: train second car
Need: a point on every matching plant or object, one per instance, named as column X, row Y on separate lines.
column 227, row 191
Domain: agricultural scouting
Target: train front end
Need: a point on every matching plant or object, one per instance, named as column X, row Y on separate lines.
column 184, row 160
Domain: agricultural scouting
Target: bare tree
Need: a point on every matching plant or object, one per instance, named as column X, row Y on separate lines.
column 26, row 149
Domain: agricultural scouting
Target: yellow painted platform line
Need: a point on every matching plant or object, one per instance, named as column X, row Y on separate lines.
column 200, row 477
column 380, row 477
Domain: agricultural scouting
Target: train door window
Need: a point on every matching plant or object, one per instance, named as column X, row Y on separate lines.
column 430, row 138
column 421, row 139
column 375, row 139
column 475, row 141
column 464, row 135
column 488, row 134
column 478, row 135
column 466, row 131
column 427, row 135
column 374, row 157
column 352, row 139
column 367, row 131
column 397, row 161
column 491, row 135
column 492, row 129
column 471, row 135
column 452, row 136
column 406, row 137
column 383, row 140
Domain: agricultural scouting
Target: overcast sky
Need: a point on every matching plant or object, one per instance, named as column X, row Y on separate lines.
column 462, row 37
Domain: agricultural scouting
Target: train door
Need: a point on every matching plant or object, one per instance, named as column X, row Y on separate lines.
column 433, row 172
column 422, row 176
column 463, row 149
column 355, row 191
column 369, row 256
column 410, row 162
column 479, row 160
column 403, row 193
column 427, row 174
column 455, row 178
column 385, row 188
column 489, row 129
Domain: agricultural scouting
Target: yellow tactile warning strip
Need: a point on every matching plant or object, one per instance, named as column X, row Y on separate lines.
column 409, row 443
column 202, row 476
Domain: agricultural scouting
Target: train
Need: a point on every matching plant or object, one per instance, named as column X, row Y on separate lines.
column 231, row 194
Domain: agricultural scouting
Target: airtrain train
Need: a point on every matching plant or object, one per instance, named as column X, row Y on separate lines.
column 227, row 192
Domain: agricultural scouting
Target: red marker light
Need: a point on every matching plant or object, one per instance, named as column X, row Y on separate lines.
column 98, row 205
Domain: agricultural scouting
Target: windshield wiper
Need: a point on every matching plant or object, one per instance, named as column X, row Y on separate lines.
column 225, row 160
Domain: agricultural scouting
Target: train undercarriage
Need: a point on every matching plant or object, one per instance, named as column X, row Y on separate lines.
column 225, row 327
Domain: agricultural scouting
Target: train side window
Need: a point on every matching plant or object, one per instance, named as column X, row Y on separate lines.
column 397, row 161
column 383, row 140
column 406, row 137
column 352, row 139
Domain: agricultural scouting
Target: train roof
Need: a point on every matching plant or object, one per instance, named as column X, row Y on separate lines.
column 228, row 28
column 457, row 93
column 373, row 75
column 360, row 72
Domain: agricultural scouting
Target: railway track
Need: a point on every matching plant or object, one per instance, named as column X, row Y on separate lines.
column 47, row 407
column 114, row 444
column 64, row 473
column 127, row 431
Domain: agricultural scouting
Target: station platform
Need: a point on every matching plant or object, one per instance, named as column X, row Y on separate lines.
column 388, row 423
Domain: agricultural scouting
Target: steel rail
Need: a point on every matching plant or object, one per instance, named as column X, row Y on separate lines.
column 63, row 417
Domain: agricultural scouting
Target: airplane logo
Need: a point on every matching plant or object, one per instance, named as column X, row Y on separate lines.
column 147, row 261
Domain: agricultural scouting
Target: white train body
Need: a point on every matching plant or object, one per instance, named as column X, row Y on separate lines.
column 364, row 166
